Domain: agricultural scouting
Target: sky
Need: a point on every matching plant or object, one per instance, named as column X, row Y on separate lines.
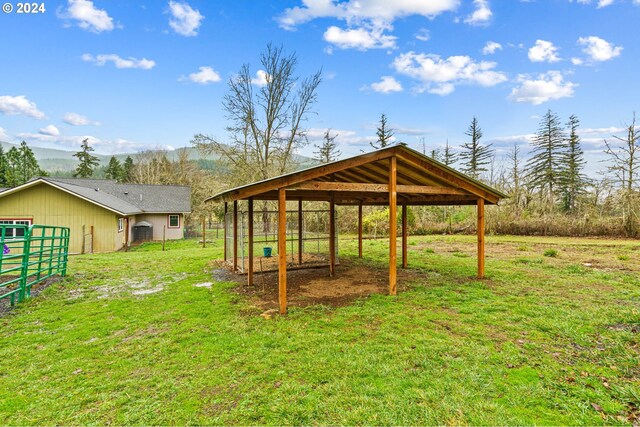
column 133, row 75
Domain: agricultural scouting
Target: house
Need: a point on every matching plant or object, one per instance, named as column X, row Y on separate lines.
column 102, row 214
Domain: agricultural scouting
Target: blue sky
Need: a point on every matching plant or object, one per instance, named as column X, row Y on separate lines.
column 134, row 75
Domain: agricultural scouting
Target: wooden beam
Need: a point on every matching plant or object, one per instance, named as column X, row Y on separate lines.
column 404, row 179
column 375, row 188
column 393, row 198
column 404, row 235
column 444, row 175
column 235, row 236
column 224, row 235
column 250, row 225
column 282, row 250
column 332, row 237
column 300, row 235
column 480, row 238
column 360, row 229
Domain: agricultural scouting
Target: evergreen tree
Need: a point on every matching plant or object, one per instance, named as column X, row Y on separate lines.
column 328, row 150
column 384, row 133
column 4, row 168
column 87, row 161
column 114, row 170
column 127, row 169
column 574, row 181
column 21, row 165
column 12, row 176
column 475, row 156
column 514, row 174
column 448, row 156
column 436, row 155
column 545, row 167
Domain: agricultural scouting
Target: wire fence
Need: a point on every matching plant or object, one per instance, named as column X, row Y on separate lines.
column 307, row 239
column 30, row 255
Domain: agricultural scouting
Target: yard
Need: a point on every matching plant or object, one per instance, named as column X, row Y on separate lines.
column 552, row 336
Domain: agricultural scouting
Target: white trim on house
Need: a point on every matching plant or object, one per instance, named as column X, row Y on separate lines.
column 15, row 221
column 169, row 221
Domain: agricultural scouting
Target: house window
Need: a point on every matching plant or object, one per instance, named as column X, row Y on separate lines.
column 174, row 221
column 120, row 224
column 14, row 232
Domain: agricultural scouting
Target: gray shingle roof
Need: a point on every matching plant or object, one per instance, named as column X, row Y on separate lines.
column 129, row 199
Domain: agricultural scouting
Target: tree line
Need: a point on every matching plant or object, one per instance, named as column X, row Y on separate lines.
column 549, row 191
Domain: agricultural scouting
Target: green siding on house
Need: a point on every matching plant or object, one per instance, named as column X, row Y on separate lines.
column 47, row 205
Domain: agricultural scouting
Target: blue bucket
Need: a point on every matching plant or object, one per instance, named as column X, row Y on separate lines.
column 266, row 251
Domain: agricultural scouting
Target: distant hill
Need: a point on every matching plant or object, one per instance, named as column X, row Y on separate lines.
column 52, row 160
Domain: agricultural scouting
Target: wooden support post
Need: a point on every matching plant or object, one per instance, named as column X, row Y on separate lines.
column 360, row 229
column 250, row 224
column 404, row 235
column 235, row 236
column 282, row 250
column 204, row 233
column 393, row 226
column 300, row 234
column 164, row 236
column 480, row 238
column 224, row 234
column 332, row 237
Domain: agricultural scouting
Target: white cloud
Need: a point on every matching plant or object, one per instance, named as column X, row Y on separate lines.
column 441, row 76
column 19, row 106
column 4, row 136
column 205, row 75
column 143, row 64
column 602, row 3
column 87, row 16
column 491, row 47
column 543, row 51
column 360, row 38
column 545, row 87
column 261, row 78
column 598, row 49
column 424, row 35
column 184, row 19
column 50, row 130
column 387, row 85
column 75, row 119
column 596, row 131
column 358, row 11
column 102, row 146
column 481, row 15
column 577, row 61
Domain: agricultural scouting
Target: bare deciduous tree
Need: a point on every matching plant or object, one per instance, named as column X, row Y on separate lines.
column 266, row 117
column 625, row 157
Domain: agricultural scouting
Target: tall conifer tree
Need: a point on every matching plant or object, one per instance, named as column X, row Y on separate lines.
column 474, row 156
column 545, row 168
column 574, row 181
column 87, row 161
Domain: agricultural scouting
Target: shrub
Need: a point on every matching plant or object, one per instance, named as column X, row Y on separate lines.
column 551, row 253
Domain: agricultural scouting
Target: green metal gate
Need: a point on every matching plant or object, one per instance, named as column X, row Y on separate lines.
column 30, row 255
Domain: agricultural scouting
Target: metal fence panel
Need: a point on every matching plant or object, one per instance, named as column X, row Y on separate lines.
column 30, row 255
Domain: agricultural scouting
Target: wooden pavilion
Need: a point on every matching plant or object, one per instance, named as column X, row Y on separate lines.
column 395, row 175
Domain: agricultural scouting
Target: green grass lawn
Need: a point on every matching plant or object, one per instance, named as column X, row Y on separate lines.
column 128, row 338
